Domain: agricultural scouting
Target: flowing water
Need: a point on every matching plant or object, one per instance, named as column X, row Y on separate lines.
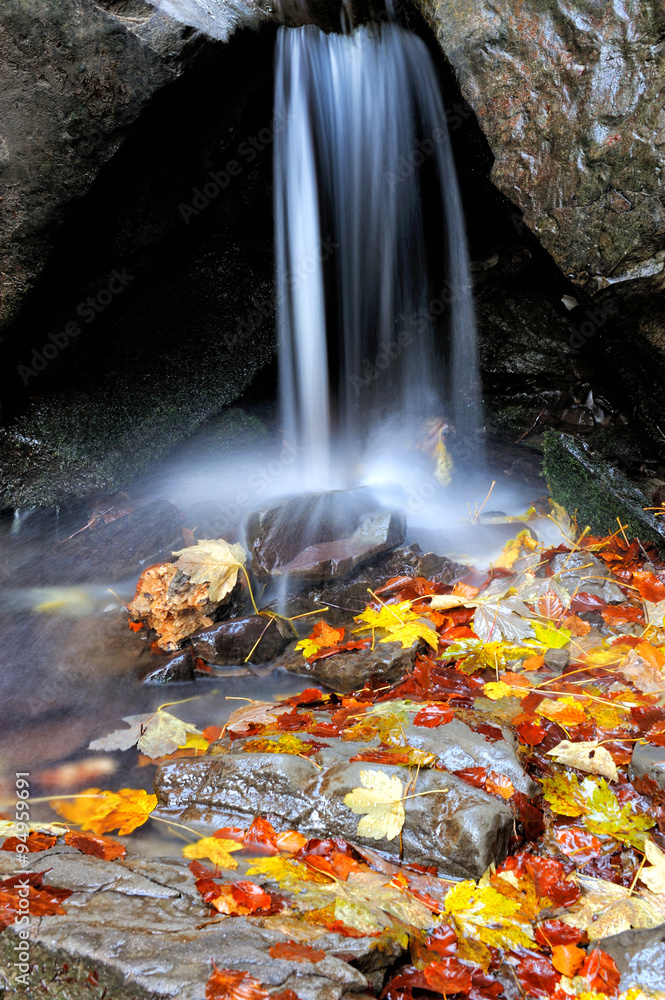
column 376, row 325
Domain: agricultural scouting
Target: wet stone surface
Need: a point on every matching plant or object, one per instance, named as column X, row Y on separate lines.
column 132, row 932
column 346, row 672
column 231, row 642
column 461, row 831
column 640, row 957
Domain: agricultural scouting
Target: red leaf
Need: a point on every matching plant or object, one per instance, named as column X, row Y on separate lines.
column 601, row 972
column 251, row 895
column 212, row 733
column 290, row 951
column 434, row 715
column 42, row 900
column 530, row 733
column 550, row 606
column 32, row 843
column 443, row 941
column 448, row 976
column 293, row 722
column 530, row 816
column 536, row 974
column 650, row 587
column 260, row 837
column 554, row 932
column 578, row 844
column 548, row 875
column 228, row 984
column 586, row 602
column 96, row 845
column 475, row 776
column 306, row 697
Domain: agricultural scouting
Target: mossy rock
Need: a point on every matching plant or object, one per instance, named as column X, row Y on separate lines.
column 596, row 492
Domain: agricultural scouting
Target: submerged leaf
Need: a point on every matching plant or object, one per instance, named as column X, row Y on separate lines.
column 215, row 849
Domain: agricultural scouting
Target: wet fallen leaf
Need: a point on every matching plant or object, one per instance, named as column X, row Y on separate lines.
column 367, row 903
column 97, row 846
column 486, row 916
column 288, row 874
column 600, row 971
column 155, row 734
column 291, row 951
column 381, row 801
column 35, row 841
column 402, row 624
column 606, row 909
column 215, row 849
column 212, row 561
column 103, row 812
column 644, row 673
column 20, row 894
column 568, row 959
column 262, row 713
column 228, row 984
column 589, row 757
column 321, row 637
column 567, row 711
column 654, row 876
column 286, row 743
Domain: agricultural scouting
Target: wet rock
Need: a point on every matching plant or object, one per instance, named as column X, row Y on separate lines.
column 85, row 71
column 176, row 669
column 582, row 571
column 556, row 659
column 567, row 97
column 231, row 642
column 582, row 481
column 345, row 672
column 349, row 596
column 317, row 536
column 460, row 831
column 131, row 929
column 640, row 957
column 649, row 761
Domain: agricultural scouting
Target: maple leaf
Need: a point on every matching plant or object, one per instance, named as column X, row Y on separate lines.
column 288, row 874
column 485, row 915
column 35, row 898
column 228, row 984
column 589, row 756
column 322, row 637
column 291, row 951
column 216, row 849
column 286, row 743
column 255, row 713
column 212, row 561
column 102, row 812
column 155, row 734
column 604, row 814
column 654, row 876
column 564, row 794
column 495, row 690
column 402, row 624
column 568, row 711
column 606, row 909
column 507, row 619
column 368, row 903
column 381, row 801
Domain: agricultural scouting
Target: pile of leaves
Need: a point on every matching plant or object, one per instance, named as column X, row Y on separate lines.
column 565, row 646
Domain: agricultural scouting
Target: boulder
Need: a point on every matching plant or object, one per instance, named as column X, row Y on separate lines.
column 318, row 536
column 176, row 669
column 231, row 642
column 461, row 830
column 648, row 761
column 568, row 98
column 132, row 930
column 640, row 958
column 345, row 672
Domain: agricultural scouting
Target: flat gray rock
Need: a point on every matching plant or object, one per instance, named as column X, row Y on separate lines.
column 132, row 931
column 640, row 957
column 649, row 761
column 346, row 672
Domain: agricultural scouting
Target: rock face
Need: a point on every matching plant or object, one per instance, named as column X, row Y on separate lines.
column 231, row 643
column 75, row 75
column 130, row 930
column 567, row 95
column 640, row 957
column 317, row 536
column 461, row 831
column 346, row 672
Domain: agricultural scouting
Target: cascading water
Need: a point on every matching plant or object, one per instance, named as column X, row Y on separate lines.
column 358, row 303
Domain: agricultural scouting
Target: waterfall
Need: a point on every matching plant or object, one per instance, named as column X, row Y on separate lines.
column 372, row 341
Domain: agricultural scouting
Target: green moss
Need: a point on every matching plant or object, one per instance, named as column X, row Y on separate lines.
column 597, row 493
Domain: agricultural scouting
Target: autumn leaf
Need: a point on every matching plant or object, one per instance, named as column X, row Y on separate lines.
column 604, row 814
column 155, row 734
column 262, row 713
column 288, row 874
column 588, row 756
column 433, row 714
column 643, row 671
column 600, row 971
column 564, row 794
column 504, row 619
column 291, row 951
column 286, row 743
column 228, row 984
column 567, row 711
column 212, row 561
column 402, row 624
column 215, row 849
column 97, row 846
column 34, row 842
column 367, row 903
column 103, row 812
column 495, row 690
column 26, row 894
column 568, row 959
column 321, row 637
column 485, row 915
column 654, row 876
column 381, row 800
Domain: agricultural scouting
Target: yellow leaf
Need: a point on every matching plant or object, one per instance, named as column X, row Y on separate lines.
column 287, row 873
column 515, row 548
column 443, row 469
column 323, row 636
column 498, row 689
column 381, row 801
column 89, row 806
column 486, row 915
column 587, row 756
column 307, row 647
column 286, row 743
column 654, row 876
column 216, row 849
column 564, row 794
column 195, row 741
column 212, row 561
column 400, row 622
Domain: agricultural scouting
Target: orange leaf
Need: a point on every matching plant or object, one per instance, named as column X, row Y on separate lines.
column 98, row 847
column 600, row 971
column 550, row 606
column 291, row 951
column 448, row 976
column 650, row 587
column 33, row 842
column 290, row 841
column 568, row 959
column 228, row 984
column 212, row 733
column 533, row 663
column 35, row 899
column 499, row 784
column 576, row 626
column 566, row 711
